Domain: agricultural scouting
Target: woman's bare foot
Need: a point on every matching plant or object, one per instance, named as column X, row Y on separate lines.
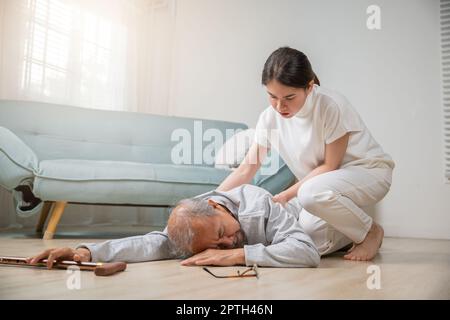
column 367, row 249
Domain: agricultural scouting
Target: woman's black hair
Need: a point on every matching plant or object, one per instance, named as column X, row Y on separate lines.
column 289, row 67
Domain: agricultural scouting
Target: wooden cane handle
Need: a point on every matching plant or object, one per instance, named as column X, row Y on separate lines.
column 107, row 269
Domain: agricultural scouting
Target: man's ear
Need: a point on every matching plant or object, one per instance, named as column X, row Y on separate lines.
column 213, row 204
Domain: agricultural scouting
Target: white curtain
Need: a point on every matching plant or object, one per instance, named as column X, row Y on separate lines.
column 103, row 54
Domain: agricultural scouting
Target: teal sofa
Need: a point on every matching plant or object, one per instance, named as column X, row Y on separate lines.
column 53, row 155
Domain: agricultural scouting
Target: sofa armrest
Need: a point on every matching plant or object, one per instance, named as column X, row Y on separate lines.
column 18, row 162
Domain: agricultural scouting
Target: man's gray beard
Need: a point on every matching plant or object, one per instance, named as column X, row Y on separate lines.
column 241, row 239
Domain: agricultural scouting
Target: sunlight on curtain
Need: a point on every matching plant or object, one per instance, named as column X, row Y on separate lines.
column 105, row 54
column 56, row 29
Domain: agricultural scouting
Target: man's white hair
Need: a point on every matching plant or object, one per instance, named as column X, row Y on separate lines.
column 180, row 228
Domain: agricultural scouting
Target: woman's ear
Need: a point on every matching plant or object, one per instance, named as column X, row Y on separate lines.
column 310, row 86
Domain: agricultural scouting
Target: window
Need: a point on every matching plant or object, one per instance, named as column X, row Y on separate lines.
column 103, row 54
column 68, row 53
column 46, row 50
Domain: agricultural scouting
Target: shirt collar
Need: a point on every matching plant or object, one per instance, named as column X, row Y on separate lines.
column 309, row 102
column 224, row 199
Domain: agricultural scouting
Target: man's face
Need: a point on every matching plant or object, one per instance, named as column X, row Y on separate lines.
column 221, row 231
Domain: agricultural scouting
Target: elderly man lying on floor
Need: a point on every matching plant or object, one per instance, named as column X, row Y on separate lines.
column 242, row 226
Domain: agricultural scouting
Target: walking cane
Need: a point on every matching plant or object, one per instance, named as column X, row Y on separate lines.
column 99, row 268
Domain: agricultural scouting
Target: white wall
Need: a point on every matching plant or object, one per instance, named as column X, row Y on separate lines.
column 392, row 77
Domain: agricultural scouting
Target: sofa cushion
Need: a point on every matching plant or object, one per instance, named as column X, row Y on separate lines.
column 116, row 182
column 17, row 161
column 119, row 182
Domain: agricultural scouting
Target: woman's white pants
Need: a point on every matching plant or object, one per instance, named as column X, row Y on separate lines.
column 332, row 205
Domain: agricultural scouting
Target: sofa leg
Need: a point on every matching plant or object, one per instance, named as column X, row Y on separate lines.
column 54, row 219
column 44, row 214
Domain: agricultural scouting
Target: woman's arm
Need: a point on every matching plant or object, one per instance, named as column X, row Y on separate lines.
column 334, row 153
column 247, row 169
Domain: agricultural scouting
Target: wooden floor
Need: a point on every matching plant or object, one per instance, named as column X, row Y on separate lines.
column 409, row 269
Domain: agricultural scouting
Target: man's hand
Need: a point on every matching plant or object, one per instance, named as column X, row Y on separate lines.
column 58, row 254
column 282, row 198
column 216, row 257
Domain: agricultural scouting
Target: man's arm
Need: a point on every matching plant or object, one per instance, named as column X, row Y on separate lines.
column 217, row 257
column 152, row 246
column 289, row 245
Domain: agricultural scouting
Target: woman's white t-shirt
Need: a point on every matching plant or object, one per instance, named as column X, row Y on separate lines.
column 325, row 117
